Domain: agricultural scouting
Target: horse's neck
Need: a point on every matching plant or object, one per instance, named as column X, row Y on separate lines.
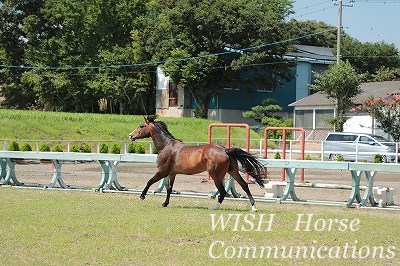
column 160, row 140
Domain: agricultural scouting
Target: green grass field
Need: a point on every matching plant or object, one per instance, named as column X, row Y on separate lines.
column 22, row 125
column 52, row 227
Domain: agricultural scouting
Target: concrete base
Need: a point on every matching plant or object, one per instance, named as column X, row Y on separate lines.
column 384, row 196
column 274, row 189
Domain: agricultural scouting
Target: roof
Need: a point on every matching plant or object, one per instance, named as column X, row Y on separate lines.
column 312, row 53
column 374, row 89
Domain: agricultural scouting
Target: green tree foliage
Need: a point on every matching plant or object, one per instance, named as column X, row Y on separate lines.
column 266, row 114
column 200, row 30
column 12, row 47
column 340, row 83
column 377, row 61
column 60, row 38
column 310, row 27
column 386, row 73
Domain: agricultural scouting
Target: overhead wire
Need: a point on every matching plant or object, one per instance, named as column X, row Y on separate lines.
column 164, row 61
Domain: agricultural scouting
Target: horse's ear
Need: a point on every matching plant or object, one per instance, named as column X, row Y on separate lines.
column 146, row 120
column 151, row 118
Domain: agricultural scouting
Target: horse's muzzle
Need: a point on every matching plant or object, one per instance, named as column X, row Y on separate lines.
column 132, row 137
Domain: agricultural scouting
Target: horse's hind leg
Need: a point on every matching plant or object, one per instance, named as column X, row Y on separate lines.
column 235, row 174
column 222, row 192
column 171, row 179
column 157, row 177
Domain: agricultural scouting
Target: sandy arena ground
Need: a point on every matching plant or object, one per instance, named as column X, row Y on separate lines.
column 136, row 175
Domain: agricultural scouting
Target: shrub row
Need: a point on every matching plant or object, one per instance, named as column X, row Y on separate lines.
column 115, row 148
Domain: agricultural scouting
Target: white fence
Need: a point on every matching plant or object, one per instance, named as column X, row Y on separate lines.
column 313, row 149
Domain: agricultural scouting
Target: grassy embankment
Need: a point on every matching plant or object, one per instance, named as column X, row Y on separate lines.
column 58, row 128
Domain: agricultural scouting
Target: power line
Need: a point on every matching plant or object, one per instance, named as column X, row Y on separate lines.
column 317, row 4
column 165, row 61
column 313, row 12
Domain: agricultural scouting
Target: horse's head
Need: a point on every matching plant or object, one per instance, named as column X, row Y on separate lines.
column 143, row 131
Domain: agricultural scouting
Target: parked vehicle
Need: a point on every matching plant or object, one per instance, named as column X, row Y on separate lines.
column 358, row 147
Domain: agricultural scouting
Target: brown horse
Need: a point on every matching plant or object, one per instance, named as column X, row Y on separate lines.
column 175, row 157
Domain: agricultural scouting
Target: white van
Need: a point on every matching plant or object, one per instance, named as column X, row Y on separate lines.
column 358, row 147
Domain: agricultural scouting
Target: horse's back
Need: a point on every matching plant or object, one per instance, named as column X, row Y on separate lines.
column 191, row 159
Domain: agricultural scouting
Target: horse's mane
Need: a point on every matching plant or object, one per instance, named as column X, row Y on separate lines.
column 163, row 127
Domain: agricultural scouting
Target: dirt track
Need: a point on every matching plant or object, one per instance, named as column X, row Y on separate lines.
column 136, row 175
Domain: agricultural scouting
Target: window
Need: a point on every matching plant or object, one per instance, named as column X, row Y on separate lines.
column 304, row 118
column 265, row 89
column 341, row 137
column 366, row 139
column 321, row 116
column 173, row 94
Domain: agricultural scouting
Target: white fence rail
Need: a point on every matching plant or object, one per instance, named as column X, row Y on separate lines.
column 313, row 149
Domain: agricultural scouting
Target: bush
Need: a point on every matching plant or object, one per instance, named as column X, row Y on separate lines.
column 13, row 146
column 74, row 148
column 277, row 156
column 308, row 157
column 378, row 158
column 136, row 148
column 57, row 148
column 115, row 148
column 85, row 148
column 131, row 147
column 81, row 148
column 103, row 148
column 26, row 147
column 340, row 158
column 140, row 149
column 44, row 147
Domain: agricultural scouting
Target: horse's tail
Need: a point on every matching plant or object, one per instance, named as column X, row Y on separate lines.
column 250, row 164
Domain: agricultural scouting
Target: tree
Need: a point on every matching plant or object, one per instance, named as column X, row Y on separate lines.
column 386, row 111
column 12, row 46
column 386, row 74
column 266, row 114
column 340, row 83
column 205, row 44
column 308, row 27
column 81, row 52
column 371, row 59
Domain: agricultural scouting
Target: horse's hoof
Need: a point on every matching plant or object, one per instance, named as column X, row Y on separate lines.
column 215, row 206
column 253, row 208
column 142, row 197
column 164, row 205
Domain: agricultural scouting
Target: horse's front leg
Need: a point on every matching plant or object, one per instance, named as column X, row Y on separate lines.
column 171, row 179
column 157, row 177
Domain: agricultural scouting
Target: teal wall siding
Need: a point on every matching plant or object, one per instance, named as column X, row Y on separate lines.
column 248, row 96
column 245, row 98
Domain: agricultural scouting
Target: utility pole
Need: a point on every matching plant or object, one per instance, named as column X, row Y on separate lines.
column 340, row 5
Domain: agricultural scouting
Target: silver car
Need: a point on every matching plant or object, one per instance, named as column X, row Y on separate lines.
column 358, row 147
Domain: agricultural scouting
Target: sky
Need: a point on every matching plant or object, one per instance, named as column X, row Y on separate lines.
column 367, row 20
